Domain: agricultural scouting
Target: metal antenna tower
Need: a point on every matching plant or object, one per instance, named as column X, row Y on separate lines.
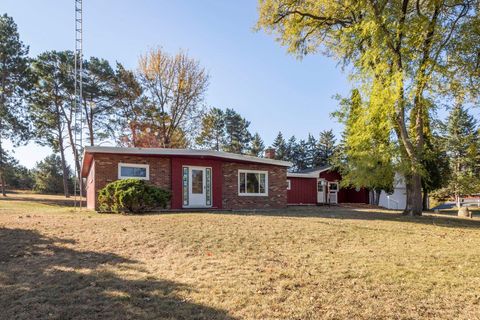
column 78, row 121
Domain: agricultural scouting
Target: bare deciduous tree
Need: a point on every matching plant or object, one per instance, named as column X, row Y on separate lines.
column 175, row 85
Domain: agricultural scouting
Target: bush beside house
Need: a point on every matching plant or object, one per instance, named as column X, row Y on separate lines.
column 132, row 196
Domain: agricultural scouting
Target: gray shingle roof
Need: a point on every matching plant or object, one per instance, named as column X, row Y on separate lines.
column 319, row 168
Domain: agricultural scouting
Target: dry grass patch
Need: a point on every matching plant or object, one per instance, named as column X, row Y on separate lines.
column 313, row 263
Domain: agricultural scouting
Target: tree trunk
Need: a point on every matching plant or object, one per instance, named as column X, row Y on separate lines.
column 90, row 130
column 62, row 155
column 416, row 200
column 408, row 189
column 167, row 142
column 4, row 193
column 76, row 158
column 377, row 196
column 89, row 117
column 425, row 200
column 65, row 172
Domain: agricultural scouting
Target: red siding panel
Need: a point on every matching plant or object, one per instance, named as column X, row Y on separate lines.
column 179, row 162
column 351, row 195
column 302, row 191
column 346, row 195
column 330, row 176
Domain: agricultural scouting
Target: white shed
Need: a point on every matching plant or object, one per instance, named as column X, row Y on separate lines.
column 398, row 199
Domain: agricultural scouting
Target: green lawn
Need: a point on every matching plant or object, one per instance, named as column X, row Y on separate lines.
column 310, row 263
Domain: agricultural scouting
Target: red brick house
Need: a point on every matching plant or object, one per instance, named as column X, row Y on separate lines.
column 321, row 186
column 196, row 178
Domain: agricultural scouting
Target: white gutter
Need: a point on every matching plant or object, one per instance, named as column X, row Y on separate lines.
column 302, row 175
column 313, row 174
column 185, row 152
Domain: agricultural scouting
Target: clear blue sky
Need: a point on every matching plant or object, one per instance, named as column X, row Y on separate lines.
column 249, row 71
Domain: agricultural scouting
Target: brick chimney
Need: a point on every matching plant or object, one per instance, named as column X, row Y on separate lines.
column 270, row 153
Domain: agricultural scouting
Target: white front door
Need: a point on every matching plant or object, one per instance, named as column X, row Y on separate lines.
column 321, row 191
column 198, row 187
column 198, row 195
column 333, row 192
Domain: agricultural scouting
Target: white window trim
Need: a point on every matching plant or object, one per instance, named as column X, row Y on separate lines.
column 265, row 194
column 289, row 184
column 334, row 182
column 134, row 165
column 324, row 185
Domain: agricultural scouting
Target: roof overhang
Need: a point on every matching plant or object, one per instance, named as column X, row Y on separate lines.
column 86, row 163
column 90, row 151
column 312, row 175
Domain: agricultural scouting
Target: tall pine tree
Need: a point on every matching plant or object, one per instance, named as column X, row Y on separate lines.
column 462, row 147
column 97, row 98
column 312, row 151
column 435, row 162
column 290, row 150
column 50, row 102
column 14, row 84
column 257, row 146
column 238, row 138
column 212, row 131
column 300, row 156
column 326, row 147
column 280, row 147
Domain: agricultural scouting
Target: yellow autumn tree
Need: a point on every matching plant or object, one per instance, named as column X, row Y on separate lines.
column 399, row 52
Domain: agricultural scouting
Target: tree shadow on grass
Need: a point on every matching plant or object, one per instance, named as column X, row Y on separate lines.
column 349, row 213
column 50, row 200
column 41, row 279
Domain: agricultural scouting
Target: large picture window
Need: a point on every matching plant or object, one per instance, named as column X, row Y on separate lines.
column 252, row 183
column 130, row 170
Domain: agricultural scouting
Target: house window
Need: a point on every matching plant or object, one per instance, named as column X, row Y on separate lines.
column 208, row 185
column 130, row 170
column 333, row 186
column 289, row 184
column 197, row 181
column 252, row 183
column 185, row 186
column 320, row 185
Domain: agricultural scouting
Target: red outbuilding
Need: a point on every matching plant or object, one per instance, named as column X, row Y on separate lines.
column 321, row 185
